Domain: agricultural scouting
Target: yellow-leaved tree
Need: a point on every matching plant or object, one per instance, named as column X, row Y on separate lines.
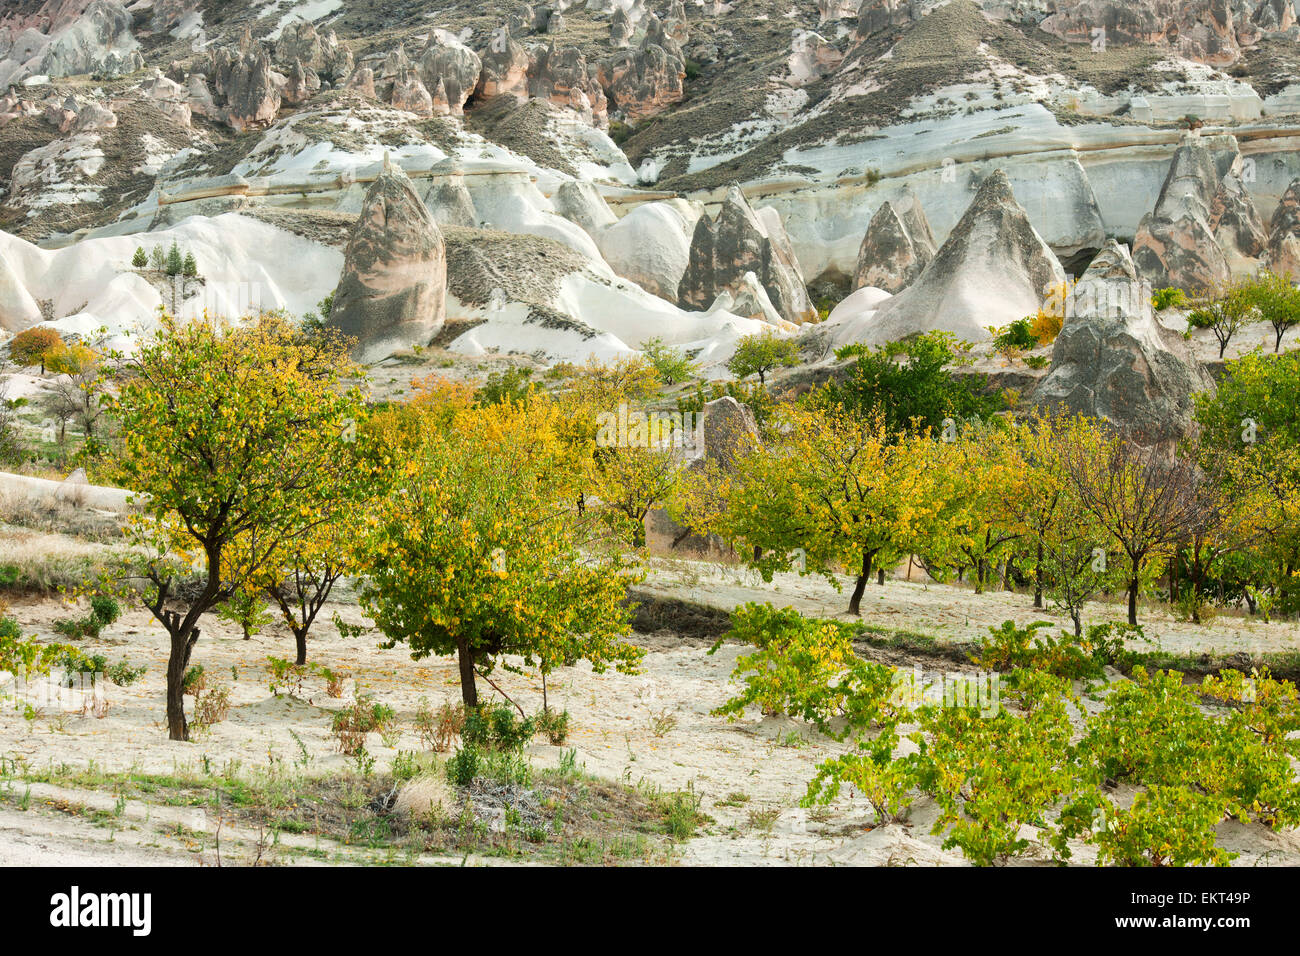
column 475, row 544
column 830, row 492
column 230, row 433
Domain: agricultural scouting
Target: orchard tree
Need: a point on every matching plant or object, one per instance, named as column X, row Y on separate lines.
column 474, row 545
column 1224, row 312
column 230, row 436
column 911, row 384
column 302, row 577
column 671, row 365
column 34, row 346
column 1143, row 502
column 1250, row 435
column 831, row 492
column 983, row 475
column 78, row 391
column 1278, row 302
column 761, row 353
column 632, row 479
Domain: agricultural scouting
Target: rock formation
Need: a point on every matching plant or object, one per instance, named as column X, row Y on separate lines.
column 651, row 245
column 739, row 240
column 992, row 269
column 1115, row 362
column 898, row 245
column 301, row 84
column 455, row 66
column 562, row 77
column 70, row 39
column 646, row 82
column 620, row 29
column 877, row 15
column 393, row 290
column 237, row 86
column 1284, row 234
column 505, row 68
column 1208, row 31
column 448, row 200
column 1204, row 223
column 582, row 204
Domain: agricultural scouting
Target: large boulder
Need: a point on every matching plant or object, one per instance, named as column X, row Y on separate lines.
column 581, row 203
column 1204, row 224
column 897, row 247
column 1115, row 362
column 739, row 240
column 1284, row 234
column 393, row 289
column 993, row 268
column 651, row 245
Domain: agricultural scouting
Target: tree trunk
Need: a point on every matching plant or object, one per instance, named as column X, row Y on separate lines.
column 1133, row 601
column 468, row 689
column 300, row 637
column 177, row 662
column 880, row 577
column 860, row 585
column 1076, row 616
column 1038, row 578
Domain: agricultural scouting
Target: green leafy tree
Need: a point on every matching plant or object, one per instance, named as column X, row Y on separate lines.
column 911, row 384
column 190, row 268
column 1224, row 313
column 760, row 354
column 230, row 437
column 175, row 262
column 669, row 363
column 475, row 545
column 140, row 259
column 158, row 259
column 831, row 492
column 1278, row 302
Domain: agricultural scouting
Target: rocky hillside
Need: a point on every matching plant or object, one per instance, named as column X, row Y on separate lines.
column 574, row 178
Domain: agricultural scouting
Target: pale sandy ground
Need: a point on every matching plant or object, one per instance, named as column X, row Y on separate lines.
column 957, row 613
column 767, row 762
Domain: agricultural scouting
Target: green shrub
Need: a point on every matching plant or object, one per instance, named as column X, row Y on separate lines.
column 805, row 668
column 1009, row 647
column 104, row 610
column 1165, row 826
column 193, row 680
column 553, row 725
column 351, row 724
column 123, row 674
column 496, row 728
column 1171, row 298
column 463, row 767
